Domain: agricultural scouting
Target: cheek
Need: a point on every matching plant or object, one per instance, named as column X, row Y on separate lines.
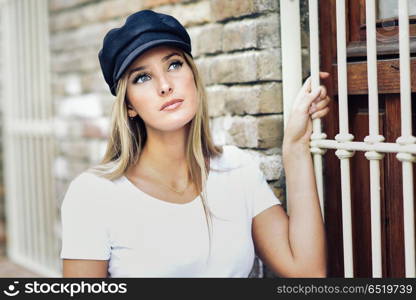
column 140, row 99
column 190, row 88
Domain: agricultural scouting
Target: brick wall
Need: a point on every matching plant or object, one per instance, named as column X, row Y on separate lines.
column 236, row 45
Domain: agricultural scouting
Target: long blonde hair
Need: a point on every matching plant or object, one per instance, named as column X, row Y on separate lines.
column 128, row 138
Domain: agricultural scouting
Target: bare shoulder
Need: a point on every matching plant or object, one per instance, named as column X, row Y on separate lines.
column 85, row 268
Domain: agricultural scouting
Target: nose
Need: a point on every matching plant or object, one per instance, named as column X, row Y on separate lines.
column 165, row 87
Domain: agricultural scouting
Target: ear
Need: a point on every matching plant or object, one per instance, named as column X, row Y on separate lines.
column 132, row 113
column 130, row 110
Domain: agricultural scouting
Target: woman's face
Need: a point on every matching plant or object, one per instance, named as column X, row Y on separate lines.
column 159, row 75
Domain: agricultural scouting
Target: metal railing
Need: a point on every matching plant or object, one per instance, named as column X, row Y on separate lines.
column 373, row 144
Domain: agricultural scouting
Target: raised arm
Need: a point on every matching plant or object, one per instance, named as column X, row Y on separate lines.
column 295, row 246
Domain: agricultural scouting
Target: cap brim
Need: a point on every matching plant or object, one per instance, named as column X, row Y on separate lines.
column 139, row 50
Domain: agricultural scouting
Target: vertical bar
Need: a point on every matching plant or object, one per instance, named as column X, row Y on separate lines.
column 372, row 66
column 374, row 157
column 38, row 101
column 314, row 45
column 26, row 136
column 408, row 213
column 291, row 52
column 16, row 142
column 342, row 71
column 47, row 145
column 32, row 120
column 344, row 136
column 315, row 82
column 21, row 95
column 344, row 157
column 406, row 138
column 374, row 136
column 404, row 52
column 46, row 198
column 22, row 136
column 291, row 57
column 13, row 226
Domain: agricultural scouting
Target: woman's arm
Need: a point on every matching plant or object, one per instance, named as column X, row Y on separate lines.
column 295, row 246
column 85, row 268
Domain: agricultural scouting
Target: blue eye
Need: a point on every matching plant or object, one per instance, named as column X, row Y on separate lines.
column 178, row 63
column 138, row 78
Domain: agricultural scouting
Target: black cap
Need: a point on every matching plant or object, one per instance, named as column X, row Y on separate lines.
column 142, row 30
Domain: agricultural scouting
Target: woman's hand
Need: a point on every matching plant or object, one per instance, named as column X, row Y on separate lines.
column 307, row 106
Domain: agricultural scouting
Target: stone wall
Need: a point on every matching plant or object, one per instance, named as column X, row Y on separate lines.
column 236, row 46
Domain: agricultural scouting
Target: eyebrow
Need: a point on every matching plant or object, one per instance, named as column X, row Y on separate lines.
column 144, row 67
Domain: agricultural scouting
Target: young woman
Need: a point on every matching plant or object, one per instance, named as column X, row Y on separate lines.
column 165, row 201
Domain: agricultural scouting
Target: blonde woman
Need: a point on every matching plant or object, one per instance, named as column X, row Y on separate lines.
column 165, row 201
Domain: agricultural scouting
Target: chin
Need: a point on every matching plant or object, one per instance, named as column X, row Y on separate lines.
column 175, row 123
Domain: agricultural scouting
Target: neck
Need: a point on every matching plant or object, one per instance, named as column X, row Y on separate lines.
column 165, row 153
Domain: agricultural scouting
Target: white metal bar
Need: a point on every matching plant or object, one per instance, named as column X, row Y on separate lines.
column 44, row 209
column 291, row 58
column 16, row 142
column 405, row 88
column 344, row 157
column 370, row 9
column 35, row 162
column 39, row 202
column 31, row 107
column 408, row 212
column 314, row 45
column 48, row 144
column 8, row 13
column 344, row 136
column 360, row 146
column 14, row 112
column 28, row 100
column 24, row 108
column 342, row 73
column 21, row 113
column 291, row 53
column 375, row 158
column 406, row 138
column 315, row 82
column 48, row 224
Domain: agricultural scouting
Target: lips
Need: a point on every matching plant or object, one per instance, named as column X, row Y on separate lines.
column 170, row 103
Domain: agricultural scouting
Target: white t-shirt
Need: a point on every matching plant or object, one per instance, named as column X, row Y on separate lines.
column 143, row 236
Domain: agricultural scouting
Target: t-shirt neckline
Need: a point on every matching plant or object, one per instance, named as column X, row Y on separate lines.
column 157, row 200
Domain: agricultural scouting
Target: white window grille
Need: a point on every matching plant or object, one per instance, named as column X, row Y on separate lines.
column 373, row 145
column 28, row 136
